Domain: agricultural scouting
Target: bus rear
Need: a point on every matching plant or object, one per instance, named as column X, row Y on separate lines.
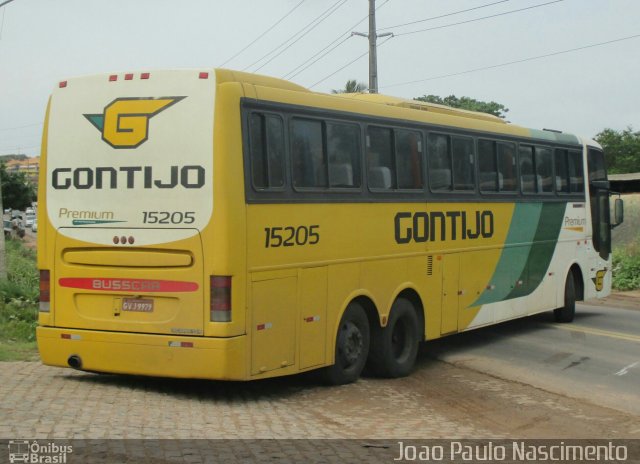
column 126, row 195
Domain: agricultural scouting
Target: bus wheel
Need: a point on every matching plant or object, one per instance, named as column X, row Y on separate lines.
column 352, row 347
column 568, row 311
column 394, row 348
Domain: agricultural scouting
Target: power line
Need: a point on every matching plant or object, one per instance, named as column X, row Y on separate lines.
column 478, row 19
column 286, row 76
column 5, row 2
column 348, row 64
column 300, row 33
column 296, row 41
column 442, row 16
column 440, row 27
column 265, row 32
column 509, row 63
column 291, row 74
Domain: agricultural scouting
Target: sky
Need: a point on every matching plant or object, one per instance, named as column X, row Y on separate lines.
column 583, row 91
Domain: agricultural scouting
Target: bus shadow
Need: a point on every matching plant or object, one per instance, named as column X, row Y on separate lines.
column 282, row 387
column 485, row 337
column 206, row 390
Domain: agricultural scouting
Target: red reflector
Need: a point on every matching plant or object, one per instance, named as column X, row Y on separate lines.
column 66, row 336
column 128, row 77
column 186, row 344
column 62, row 84
column 44, row 285
column 113, row 77
column 203, row 75
column 220, row 288
column 45, row 291
column 144, row 76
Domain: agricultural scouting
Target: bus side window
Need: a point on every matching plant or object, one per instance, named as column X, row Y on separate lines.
column 343, row 151
column 266, row 142
column 527, row 175
column 487, row 164
column 562, row 172
column 507, row 178
column 381, row 167
column 544, row 169
column 576, row 174
column 438, row 151
column 307, row 156
column 463, row 161
column 409, row 159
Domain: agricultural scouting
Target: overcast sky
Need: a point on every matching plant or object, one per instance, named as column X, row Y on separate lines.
column 584, row 91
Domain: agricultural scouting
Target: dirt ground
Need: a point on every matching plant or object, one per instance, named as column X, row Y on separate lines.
column 626, row 300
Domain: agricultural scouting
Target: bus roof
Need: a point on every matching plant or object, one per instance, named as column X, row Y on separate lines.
column 227, row 75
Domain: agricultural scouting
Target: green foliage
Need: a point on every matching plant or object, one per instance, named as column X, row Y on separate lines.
column 626, row 267
column 17, row 192
column 467, row 103
column 22, row 275
column 18, row 320
column 352, row 86
column 18, row 303
column 621, row 149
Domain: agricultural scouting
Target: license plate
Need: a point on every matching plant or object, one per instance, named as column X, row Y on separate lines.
column 137, row 305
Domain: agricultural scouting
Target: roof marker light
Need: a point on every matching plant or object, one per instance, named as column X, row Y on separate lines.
column 113, row 77
column 145, row 75
column 62, row 84
column 203, row 75
column 128, row 77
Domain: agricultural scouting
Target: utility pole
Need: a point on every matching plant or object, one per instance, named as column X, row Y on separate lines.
column 3, row 256
column 373, row 54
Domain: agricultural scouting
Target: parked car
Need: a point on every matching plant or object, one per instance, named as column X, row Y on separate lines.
column 29, row 219
column 34, row 226
column 7, row 228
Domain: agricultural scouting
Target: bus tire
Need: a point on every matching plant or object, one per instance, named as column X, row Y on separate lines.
column 568, row 311
column 394, row 348
column 352, row 347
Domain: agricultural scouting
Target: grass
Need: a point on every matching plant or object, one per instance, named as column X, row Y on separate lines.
column 19, row 304
column 626, row 242
column 626, row 266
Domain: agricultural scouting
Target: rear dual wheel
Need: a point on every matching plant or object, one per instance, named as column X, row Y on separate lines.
column 394, row 348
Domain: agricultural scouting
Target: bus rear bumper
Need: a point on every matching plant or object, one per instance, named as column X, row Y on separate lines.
column 144, row 354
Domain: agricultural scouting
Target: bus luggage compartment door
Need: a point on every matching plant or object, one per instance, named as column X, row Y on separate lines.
column 273, row 299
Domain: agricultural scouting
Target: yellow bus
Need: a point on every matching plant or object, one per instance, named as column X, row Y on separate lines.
column 222, row 225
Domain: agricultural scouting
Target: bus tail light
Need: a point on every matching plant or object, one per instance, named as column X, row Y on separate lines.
column 220, row 287
column 45, row 293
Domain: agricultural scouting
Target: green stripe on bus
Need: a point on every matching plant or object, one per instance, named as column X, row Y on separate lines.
column 529, row 246
column 512, row 262
column 544, row 244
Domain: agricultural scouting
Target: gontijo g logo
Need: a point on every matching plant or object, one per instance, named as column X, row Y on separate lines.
column 124, row 123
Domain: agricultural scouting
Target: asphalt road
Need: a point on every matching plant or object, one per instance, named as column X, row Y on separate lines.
column 596, row 358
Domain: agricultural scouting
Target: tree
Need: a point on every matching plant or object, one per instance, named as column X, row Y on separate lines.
column 352, row 86
column 467, row 103
column 17, row 192
column 621, row 150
